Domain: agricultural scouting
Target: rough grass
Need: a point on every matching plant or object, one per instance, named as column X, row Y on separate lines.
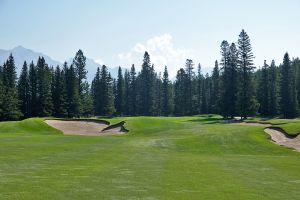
column 160, row 158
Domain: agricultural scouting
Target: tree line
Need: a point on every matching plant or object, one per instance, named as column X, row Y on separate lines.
column 234, row 88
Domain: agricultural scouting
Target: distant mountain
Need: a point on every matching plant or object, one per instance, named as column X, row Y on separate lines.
column 22, row 54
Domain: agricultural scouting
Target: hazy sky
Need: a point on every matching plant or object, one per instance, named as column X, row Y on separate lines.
column 118, row 32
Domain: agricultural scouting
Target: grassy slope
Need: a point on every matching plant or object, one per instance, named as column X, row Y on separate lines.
column 161, row 158
column 290, row 126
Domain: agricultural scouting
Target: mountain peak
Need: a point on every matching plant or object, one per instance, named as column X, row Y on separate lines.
column 22, row 54
column 19, row 47
column 22, row 50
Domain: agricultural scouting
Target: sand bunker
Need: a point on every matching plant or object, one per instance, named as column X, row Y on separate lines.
column 278, row 136
column 87, row 127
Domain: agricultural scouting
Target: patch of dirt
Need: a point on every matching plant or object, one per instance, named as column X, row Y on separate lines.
column 87, row 127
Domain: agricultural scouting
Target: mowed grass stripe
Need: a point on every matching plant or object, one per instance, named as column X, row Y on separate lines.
column 75, row 164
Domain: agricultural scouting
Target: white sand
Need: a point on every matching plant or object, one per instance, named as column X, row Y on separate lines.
column 281, row 139
column 277, row 136
column 77, row 127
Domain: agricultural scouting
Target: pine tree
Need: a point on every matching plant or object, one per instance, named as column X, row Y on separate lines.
column 103, row 92
column 205, row 95
column 59, row 95
column 119, row 101
column 109, row 107
column 73, row 98
column 157, row 95
column 166, row 93
column 215, row 92
column 288, row 93
column 96, row 93
column 104, row 89
column 86, row 101
column 246, row 96
column 9, row 72
column 189, row 79
column 33, row 91
column 209, row 93
column 145, row 87
column 273, row 89
column 171, row 99
column 296, row 68
column 224, row 94
column 199, row 90
column 115, row 86
column 10, row 107
column 44, row 103
column 1, row 92
column 294, row 105
column 132, row 92
column 180, row 93
column 55, row 90
column 229, row 80
column 263, row 91
column 23, row 91
column 154, row 107
column 126, row 91
column 79, row 63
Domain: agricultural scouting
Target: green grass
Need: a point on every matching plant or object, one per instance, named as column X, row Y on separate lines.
column 160, row 158
column 290, row 126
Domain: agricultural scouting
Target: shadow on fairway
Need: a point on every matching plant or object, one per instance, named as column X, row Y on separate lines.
column 207, row 120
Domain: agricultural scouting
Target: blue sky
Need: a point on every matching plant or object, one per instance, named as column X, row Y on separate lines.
column 117, row 32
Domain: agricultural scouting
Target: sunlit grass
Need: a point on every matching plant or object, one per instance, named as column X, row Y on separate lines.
column 160, row 158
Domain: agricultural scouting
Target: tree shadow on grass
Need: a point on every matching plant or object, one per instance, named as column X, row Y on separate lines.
column 208, row 120
column 267, row 121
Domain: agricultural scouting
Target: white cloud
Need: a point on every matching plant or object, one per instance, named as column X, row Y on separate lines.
column 162, row 53
column 99, row 61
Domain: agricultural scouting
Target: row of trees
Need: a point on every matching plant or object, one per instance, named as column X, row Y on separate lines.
column 278, row 88
column 44, row 91
column 145, row 93
column 234, row 88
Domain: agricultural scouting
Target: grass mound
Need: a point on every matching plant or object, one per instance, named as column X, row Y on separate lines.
column 290, row 126
column 28, row 126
